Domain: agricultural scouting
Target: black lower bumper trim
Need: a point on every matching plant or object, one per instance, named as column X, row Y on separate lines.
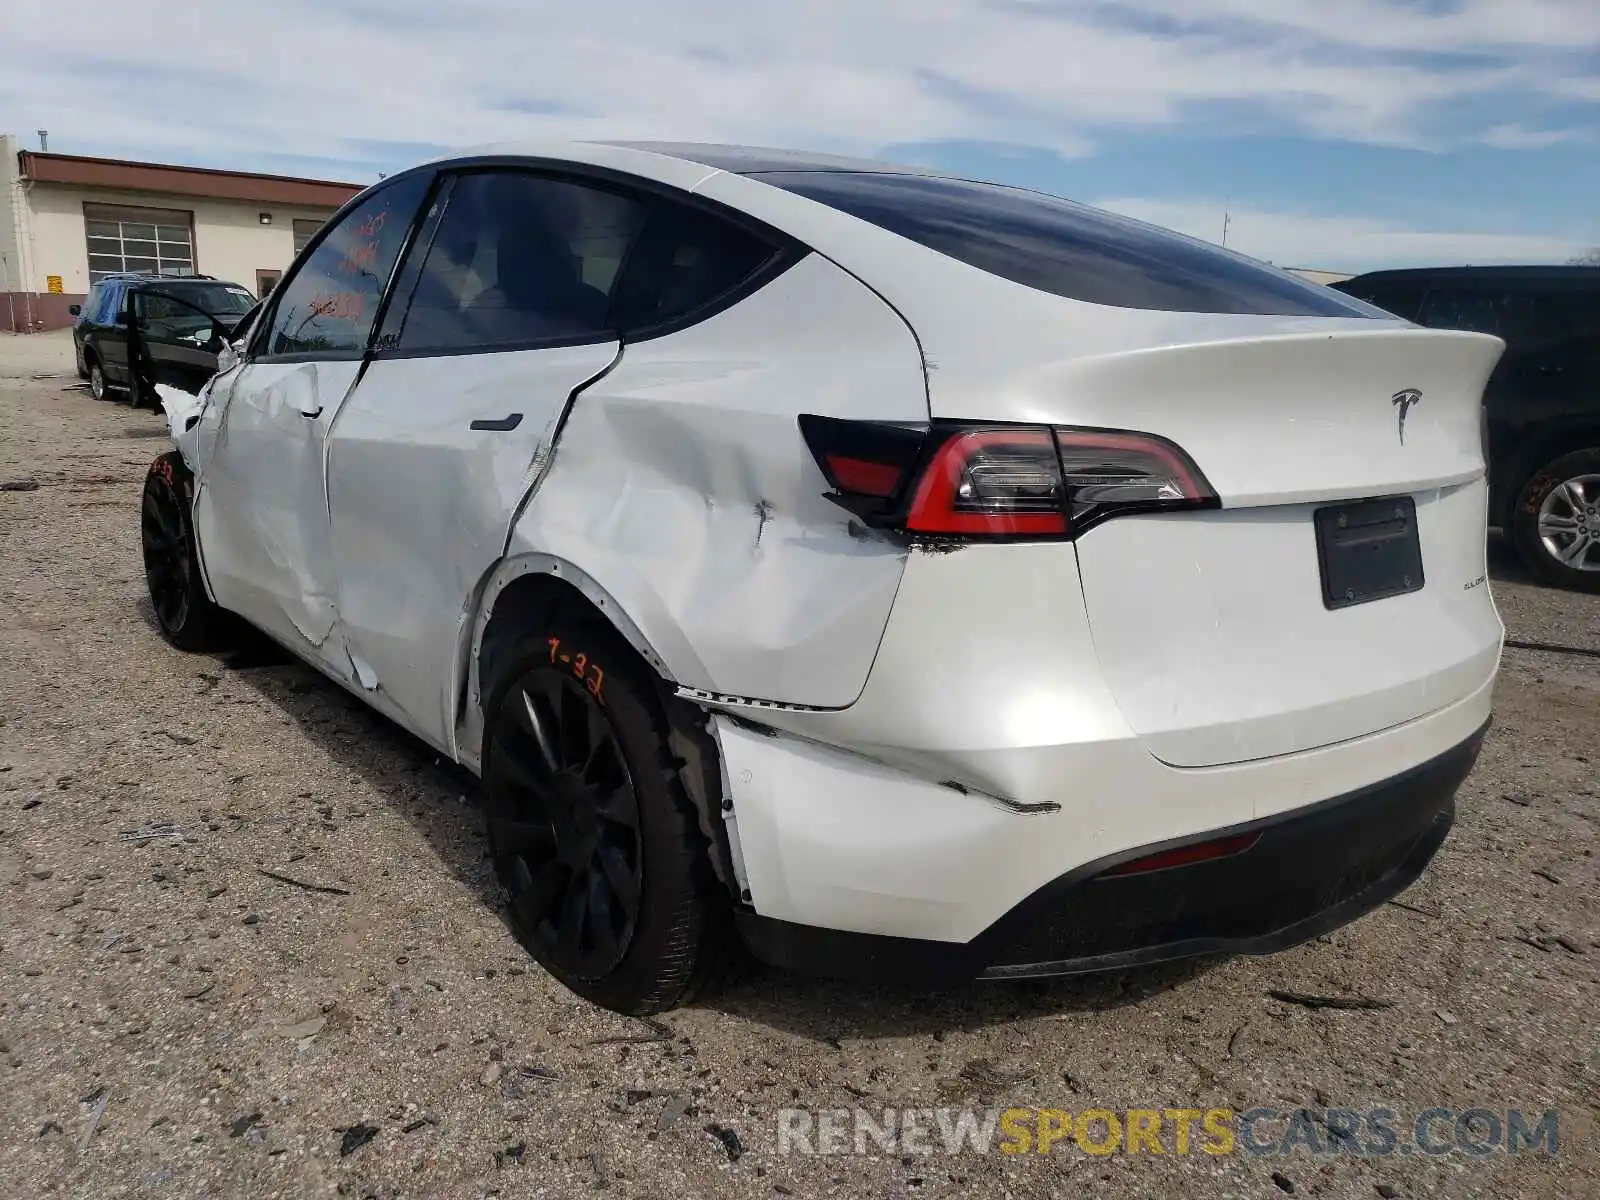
column 1309, row 871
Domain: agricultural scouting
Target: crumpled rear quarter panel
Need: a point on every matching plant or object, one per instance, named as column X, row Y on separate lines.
column 682, row 486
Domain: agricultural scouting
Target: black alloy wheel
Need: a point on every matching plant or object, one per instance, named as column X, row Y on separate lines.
column 592, row 829
column 185, row 615
column 566, row 824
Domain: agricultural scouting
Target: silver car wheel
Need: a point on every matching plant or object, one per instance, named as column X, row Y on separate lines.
column 1569, row 523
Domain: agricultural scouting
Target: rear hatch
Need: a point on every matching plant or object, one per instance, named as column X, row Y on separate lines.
column 1292, row 617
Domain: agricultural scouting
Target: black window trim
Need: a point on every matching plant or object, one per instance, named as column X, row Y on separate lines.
column 786, row 252
column 268, row 319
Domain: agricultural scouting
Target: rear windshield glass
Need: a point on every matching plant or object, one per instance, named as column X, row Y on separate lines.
column 1065, row 248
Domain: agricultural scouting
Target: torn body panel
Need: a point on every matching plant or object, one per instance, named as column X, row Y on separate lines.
column 261, row 511
column 847, row 820
column 683, row 487
column 183, row 415
column 427, row 463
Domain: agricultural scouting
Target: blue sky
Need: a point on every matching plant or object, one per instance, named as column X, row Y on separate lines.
column 1346, row 134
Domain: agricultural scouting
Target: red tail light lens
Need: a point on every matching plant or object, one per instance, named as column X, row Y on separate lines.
column 992, row 481
column 862, row 477
column 965, row 480
column 1108, row 471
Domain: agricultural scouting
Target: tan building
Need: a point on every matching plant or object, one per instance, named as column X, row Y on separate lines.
column 67, row 221
column 1319, row 276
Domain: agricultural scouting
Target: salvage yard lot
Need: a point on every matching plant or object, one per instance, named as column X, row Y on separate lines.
column 249, row 945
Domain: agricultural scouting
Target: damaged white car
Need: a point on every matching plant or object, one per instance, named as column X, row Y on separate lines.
column 903, row 576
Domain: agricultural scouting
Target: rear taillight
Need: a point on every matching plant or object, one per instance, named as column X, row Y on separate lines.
column 991, row 481
column 1108, row 472
column 977, row 481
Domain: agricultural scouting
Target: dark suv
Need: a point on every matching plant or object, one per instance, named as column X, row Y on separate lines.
column 180, row 322
column 1543, row 400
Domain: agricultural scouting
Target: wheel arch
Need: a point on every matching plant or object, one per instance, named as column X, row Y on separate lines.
column 1543, row 446
column 526, row 590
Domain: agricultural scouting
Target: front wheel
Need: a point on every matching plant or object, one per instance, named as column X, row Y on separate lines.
column 592, row 834
column 184, row 613
column 1556, row 523
column 98, row 387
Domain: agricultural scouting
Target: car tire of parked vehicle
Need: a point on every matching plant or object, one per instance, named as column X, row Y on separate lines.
column 591, row 831
column 98, row 387
column 1557, row 514
column 185, row 615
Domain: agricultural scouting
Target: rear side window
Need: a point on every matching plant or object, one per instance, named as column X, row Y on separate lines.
column 520, row 259
column 329, row 305
column 1064, row 248
column 103, row 303
column 685, row 263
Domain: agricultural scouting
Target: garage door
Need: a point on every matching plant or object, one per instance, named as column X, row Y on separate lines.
column 154, row 241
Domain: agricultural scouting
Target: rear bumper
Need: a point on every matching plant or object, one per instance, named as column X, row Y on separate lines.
column 1309, row 871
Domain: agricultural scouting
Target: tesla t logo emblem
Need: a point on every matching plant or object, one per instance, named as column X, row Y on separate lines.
column 1403, row 401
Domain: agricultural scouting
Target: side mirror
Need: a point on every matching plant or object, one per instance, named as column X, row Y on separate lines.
column 75, row 310
column 227, row 358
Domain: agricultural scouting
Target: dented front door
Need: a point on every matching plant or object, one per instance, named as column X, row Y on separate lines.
column 431, row 459
column 262, row 511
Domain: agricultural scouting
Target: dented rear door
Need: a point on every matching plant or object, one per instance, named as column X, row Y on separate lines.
column 500, row 317
column 430, row 459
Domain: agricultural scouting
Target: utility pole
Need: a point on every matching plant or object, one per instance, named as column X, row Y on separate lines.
column 1226, row 221
column 44, row 141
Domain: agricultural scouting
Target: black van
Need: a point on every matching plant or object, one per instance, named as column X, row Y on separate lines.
column 180, row 321
column 1543, row 401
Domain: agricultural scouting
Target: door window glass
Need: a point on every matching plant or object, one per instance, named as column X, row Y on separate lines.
column 166, row 318
column 520, row 259
column 95, row 309
column 686, row 260
column 329, row 305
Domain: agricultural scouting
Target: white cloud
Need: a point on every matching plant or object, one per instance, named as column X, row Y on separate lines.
column 1341, row 243
column 326, row 79
column 1515, row 136
column 345, row 87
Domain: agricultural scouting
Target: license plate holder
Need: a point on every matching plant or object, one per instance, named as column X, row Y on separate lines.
column 1368, row 550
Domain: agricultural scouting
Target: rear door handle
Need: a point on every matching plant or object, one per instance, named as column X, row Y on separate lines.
column 503, row 425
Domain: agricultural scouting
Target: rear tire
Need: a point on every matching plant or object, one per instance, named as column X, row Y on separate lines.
column 1555, row 523
column 591, row 831
column 184, row 613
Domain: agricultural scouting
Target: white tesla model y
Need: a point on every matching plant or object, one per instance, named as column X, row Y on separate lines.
column 902, row 575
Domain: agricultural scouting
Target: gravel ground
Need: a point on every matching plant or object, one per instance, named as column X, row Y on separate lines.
column 174, row 1021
